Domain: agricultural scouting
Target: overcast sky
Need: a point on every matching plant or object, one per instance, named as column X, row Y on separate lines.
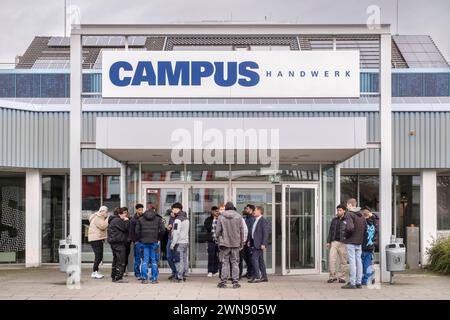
column 21, row 20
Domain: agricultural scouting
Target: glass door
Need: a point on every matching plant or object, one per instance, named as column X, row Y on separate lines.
column 201, row 199
column 162, row 197
column 259, row 195
column 300, row 229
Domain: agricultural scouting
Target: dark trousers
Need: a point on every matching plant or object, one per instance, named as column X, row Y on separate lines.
column 97, row 247
column 246, row 255
column 259, row 266
column 213, row 257
column 118, row 264
column 127, row 252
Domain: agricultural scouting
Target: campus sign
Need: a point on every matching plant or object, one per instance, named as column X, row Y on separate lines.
column 230, row 74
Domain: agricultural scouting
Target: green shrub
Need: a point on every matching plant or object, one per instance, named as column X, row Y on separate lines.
column 439, row 256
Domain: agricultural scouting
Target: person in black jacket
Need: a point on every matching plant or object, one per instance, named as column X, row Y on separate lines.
column 150, row 230
column 259, row 237
column 369, row 245
column 117, row 237
column 137, row 244
column 356, row 226
column 336, row 245
column 213, row 247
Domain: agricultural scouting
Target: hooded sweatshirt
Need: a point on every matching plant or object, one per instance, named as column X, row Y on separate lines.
column 117, row 230
column 149, row 227
column 180, row 230
column 230, row 229
column 98, row 225
column 371, row 234
column 356, row 226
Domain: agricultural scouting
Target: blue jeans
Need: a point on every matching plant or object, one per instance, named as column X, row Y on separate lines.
column 368, row 272
column 150, row 251
column 137, row 258
column 354, row 263
column 169, row 256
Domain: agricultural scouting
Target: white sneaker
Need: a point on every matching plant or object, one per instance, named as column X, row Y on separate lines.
column 99, row 276
column 94, row 275
column 209, row 275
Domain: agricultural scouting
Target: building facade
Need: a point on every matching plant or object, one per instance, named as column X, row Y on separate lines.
column 129, row 163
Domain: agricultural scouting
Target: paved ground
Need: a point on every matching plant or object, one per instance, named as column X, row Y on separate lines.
column 49, row 283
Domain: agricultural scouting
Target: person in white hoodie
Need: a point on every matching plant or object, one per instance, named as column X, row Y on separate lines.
column 180, row 241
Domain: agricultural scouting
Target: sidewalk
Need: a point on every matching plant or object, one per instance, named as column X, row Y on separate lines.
column 49, row 283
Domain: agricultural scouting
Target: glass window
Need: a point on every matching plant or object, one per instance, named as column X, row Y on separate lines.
column 132, row 186
column 349, row 187
column 207, row 172
column 97, row 191
column 12, row 218
column 368, row 192
column 53, row 216
column 162, row 172
column 300, row 172
column 443, row 202
column 407, row 204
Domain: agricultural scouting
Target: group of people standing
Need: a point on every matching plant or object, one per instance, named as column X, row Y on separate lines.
column 353, row 237
column 144, row 232
column 232, row 239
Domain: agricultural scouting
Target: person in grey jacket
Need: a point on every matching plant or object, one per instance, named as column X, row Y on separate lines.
column 231, row 239
column 179, row 241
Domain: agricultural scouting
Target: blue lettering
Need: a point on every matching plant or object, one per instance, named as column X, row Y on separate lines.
column 219, row 75
column 245, row 70
column 114, row 73
column 200, row 69
column 144, row 73
column 165, row 71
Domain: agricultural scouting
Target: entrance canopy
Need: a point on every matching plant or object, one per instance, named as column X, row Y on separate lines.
column 198, row 140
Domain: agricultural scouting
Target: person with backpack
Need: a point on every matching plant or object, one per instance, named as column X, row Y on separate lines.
column 369, row 245
column 149, row 231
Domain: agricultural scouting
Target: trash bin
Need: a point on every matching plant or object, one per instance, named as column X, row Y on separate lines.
column 68, row 255
column 395, row 257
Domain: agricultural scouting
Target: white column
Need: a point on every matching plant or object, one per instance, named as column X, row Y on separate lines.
column 385, row 151
column 75, row 141
column 123, row 186
column 428, row 212
column 33, row 218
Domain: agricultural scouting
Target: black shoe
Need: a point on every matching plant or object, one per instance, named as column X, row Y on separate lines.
column 373, row 281
column 331, row 280
column 349, row 286
column 122, row 280
column 253, row 280
column 172, row 277
column 341, row 281
column 263, row 280
column 222, row 285
column 184, row 279
column 358, row 286
column 144, row 281
column 236, row 285
column 155, row 281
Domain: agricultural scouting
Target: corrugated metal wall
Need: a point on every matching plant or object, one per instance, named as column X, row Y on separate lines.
column 41, row 139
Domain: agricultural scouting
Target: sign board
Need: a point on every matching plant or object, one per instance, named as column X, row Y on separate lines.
column 230, row 74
